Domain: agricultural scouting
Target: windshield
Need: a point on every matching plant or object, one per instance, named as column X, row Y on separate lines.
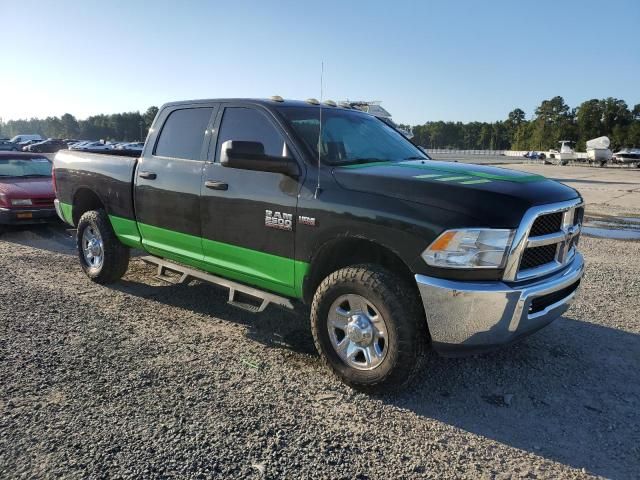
column 27, row 167
column 349, row 136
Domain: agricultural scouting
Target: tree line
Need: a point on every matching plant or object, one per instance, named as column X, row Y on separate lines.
column 553, row 121
column 128, row 126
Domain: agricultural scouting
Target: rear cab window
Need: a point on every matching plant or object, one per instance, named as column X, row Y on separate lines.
column 183, row 133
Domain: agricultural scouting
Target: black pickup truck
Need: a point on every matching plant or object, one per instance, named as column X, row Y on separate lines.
column 290, row 202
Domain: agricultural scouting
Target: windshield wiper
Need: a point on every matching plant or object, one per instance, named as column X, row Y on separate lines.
column 31, row 175
column 416, row 158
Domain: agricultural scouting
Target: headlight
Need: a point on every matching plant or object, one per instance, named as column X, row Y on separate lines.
column 470, row 248
column 21, row 202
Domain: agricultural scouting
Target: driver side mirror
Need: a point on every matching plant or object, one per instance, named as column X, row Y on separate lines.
column 250, row 156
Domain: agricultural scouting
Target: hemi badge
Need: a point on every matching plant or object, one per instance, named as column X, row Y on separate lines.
column 311, row 221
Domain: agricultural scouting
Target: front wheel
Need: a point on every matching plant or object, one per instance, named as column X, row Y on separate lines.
column 368, row 326
column 102, row 257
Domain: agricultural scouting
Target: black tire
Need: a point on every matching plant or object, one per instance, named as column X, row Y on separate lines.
column 115, row 255
column 398, row 303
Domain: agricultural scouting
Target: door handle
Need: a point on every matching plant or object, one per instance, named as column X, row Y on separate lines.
column 216, row 185
column 148, row 175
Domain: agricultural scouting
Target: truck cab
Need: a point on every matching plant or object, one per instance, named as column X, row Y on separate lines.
column 329, row 206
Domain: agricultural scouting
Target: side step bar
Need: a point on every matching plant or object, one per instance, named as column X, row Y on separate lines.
column 187, row 274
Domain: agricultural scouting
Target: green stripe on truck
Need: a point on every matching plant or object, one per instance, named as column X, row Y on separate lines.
column 67, row 212
column 126, row 231
column 263, row 270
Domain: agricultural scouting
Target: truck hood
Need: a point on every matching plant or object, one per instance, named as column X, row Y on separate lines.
column 38, row 187
column 497, row 197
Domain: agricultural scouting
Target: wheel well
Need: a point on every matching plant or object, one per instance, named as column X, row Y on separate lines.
column 83, row 201
column 343, row 252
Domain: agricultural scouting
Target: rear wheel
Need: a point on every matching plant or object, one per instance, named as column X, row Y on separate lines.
column 102, row 257
column 367, row 325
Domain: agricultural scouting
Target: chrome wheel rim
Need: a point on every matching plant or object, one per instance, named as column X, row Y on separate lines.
column 358, row 332
column 92, row 247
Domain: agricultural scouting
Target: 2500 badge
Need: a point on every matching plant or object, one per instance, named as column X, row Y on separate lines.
column 282, row 221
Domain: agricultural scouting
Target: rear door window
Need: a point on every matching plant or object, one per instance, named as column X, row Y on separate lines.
column 183, row 133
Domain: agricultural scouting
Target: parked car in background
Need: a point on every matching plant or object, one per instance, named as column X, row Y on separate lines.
column 26, row 189
column 23, row 138
column 92, row 146
column 137, row 146
column 7, row 145
column 51, row 145
column 535, row 155
column 78, row 144
column 23, row 145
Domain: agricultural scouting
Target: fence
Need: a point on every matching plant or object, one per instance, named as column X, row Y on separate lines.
column 494, row 153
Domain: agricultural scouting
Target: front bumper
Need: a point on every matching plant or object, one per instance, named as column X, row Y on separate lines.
column 471, row 317
column 14, row 216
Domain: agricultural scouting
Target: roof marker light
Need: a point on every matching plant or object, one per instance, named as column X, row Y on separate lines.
column 313, row 101
column 331, row 103
column 277, row 98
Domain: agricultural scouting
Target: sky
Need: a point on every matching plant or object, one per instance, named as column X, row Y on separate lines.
column 425, row 60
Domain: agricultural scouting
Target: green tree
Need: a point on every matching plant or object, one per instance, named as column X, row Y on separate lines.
column 149, row 115
column 589, row 121
column 633, row 135
column 70, row 126
column 553, row 122
column 615, row 112
column 515, row 119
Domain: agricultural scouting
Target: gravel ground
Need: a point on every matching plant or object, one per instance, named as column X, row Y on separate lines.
column 144, row 379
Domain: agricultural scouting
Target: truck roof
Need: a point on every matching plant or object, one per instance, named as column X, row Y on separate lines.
column 268, row 102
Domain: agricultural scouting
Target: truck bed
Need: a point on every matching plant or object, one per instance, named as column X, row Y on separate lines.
column 117, row 153
column 107, row 175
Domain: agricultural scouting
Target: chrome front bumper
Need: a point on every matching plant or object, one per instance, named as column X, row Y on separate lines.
column 470, row 317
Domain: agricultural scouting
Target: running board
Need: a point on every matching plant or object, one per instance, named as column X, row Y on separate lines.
column 187, row 274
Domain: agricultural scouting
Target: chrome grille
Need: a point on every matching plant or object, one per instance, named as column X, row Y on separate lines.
column 546, row 224
column 545, row 241
column 536, row 256
column 579, row 215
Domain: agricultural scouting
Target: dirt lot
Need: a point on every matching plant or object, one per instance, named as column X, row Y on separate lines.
column 145, row 379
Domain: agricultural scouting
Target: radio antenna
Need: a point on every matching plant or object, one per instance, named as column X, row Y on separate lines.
column 320, row 130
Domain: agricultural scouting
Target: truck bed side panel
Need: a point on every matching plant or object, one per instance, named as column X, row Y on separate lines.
column 109, row 177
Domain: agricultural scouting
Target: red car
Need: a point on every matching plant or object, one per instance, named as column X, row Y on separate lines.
column 26, row 189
